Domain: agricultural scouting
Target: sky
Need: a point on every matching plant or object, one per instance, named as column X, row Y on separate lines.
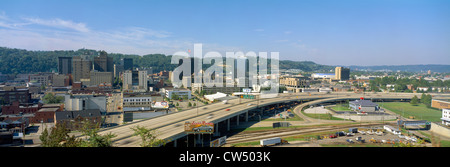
column 330, row 32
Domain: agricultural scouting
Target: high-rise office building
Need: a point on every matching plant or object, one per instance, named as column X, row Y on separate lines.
column 81, row 68
column 97, row 78
column 103, row 63
column 135, row 80
column 64, row 65
column 127, row 63
column 342, row 73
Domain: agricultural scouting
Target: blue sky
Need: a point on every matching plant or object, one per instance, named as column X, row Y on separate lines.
column 346, row 32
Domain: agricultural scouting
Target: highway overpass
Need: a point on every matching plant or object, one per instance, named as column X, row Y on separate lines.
column 171, row 127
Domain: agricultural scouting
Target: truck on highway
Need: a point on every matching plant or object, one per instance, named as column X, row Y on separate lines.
column 272, row 141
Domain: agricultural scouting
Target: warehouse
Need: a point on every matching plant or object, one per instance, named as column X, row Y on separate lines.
column 363, row 105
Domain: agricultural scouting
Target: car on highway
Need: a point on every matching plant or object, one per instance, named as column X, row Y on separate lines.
column 227, row 109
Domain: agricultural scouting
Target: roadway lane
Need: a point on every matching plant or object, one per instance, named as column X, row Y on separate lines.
column 172, row 126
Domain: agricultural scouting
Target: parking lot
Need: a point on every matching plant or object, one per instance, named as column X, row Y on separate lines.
column 386, row 139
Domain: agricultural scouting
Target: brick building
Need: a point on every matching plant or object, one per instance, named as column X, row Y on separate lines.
column 47, row 113
column 7, row 96
column 74, row 119
column 20, row 108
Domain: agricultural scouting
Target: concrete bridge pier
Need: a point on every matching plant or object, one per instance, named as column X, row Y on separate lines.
column 228, row 124
column 246, row 116
column 216, row 130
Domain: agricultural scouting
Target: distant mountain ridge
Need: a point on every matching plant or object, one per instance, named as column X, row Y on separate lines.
column 408, row 68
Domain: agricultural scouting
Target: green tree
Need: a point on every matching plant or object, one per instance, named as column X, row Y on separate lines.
column 426, row 99
column 94, row 139
column 175, row 97
column 148, row 136
column 423, row 97
column 49, row 98
column 414, row 101
column 58, row 137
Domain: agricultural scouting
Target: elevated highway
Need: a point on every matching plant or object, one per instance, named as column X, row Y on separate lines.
column 171, row 127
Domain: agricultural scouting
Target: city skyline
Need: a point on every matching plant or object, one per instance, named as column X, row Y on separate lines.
column 345, row 33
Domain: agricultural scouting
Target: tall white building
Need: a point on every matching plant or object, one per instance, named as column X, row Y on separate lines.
column 143, row 80
column 135, row 81
column 127, row 80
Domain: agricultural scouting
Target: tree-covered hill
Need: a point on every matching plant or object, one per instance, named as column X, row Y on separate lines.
column 16, row 61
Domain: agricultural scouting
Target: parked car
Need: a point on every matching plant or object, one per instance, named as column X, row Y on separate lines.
column 342, row 133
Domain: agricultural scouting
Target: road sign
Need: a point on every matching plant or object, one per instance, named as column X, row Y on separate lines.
column 218, row 142
column 246, row 90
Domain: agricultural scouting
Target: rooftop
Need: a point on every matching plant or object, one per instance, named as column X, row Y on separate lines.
column 365, row 103
column 62, row 115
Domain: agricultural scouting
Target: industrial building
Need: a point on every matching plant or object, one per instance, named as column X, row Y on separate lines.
column 85, row 102
column 294, row 83
column 363, row 105
column 180, row 93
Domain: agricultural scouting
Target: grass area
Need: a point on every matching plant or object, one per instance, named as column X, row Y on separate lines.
column 322, row 116
column 420, row 111
column 295, row 118
column 445, row 143
column 341, row 107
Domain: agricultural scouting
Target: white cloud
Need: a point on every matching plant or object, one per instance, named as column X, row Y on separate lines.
column 5, row 25
column 58, row 34
column 59, row 23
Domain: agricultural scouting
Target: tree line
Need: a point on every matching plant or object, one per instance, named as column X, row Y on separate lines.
column 402, row 83
column 20, row 61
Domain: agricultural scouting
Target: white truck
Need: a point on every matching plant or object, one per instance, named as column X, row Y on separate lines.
column 272, row 141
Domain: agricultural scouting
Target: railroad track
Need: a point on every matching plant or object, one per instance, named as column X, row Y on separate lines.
column 243, row 137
